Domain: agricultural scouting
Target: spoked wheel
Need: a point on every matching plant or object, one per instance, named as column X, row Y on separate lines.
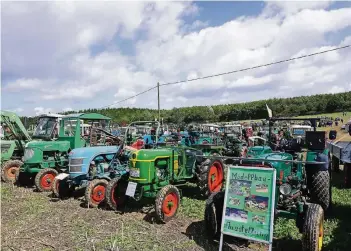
column 95, row 192
column 116, row 193
column 312, row 235
column 9, row 169
column 167, row 203
column 44, row 179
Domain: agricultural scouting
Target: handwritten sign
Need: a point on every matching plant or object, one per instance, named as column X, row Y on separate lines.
column 249, row 203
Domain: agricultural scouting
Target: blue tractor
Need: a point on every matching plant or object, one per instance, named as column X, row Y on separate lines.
column 92, row 168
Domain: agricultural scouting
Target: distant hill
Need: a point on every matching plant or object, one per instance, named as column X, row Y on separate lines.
column 296, row 106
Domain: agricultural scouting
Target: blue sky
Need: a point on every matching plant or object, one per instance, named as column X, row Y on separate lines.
column 60, row 56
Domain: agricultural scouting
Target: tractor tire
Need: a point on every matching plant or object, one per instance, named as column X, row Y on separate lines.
column 167, row 203
column 116, row 193
column 210, row 176
column 9, row 169
column 61, row 189
column 95, row 192
column 312, row 234
column 214, row 214
column 320, row 189
column 44, row 179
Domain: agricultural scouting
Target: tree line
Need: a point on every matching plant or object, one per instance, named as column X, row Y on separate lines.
column 296, row 106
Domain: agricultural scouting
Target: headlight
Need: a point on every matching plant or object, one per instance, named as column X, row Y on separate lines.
column 134, row 173
column 285, row 189
column 28, row 154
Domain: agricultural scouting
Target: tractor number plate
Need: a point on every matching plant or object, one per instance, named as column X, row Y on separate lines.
column 131, row 189
column 62, row 176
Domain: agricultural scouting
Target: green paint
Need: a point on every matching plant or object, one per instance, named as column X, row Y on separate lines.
column 248, row 204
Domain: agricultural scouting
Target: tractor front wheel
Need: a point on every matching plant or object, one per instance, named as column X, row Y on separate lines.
column 9, row 169
column 61, row 189
column 214, row 214
column 312, row 234
column 116, row 193
column 210, row 176
column 167, row 203
column 95, row 192
column 44, row 179
column 320, row 188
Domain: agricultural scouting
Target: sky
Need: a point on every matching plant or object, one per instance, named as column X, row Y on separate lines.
column 62, row 56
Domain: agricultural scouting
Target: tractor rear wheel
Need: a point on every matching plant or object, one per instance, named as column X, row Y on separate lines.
column 116, row 193
column 44, row 179
column 319, row 187
column 167, row 203
column 95, row 192
column 9, row 169
column 312, row 234
column 210, row 176
column 214, row 214
column 61, row 189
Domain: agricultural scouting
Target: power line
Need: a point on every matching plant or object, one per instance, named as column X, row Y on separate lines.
column 231, row 72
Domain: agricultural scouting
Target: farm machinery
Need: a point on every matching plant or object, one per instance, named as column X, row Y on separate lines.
column 94, row 167
column 45, row 159
column 91, row 168
column 157, row 174
column 303, row 189
column 14, row 137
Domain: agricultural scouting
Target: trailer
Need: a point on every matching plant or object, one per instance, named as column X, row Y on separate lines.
column 341, row 154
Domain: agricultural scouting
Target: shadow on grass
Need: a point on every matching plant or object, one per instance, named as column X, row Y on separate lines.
column 192, row 191
column 197, row 231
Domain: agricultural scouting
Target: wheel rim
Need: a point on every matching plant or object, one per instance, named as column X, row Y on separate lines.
column 11, row 172
column 215, row 177
column 118, row 194
column 170, row 204
column 47, row 180
column 98, row 194
column 320, row 236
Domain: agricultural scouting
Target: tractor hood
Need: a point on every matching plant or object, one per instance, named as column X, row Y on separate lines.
column 80, row 158
column 49, row 145
column 274, row 156
column 151, row 154
column 35, row 150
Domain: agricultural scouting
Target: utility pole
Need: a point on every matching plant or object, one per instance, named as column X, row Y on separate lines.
column 158, row 101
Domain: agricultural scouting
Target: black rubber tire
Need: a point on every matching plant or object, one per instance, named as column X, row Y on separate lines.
column 113, row 202
column 90, row 202
column 10, row 164
column 202, row 172
column 160, row 197
column 61, row 189
column 319, row 187
column 213, row 214
column 311, row 228
column 39, row 177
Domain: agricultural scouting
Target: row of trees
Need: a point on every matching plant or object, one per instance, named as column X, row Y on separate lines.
column 304, row 105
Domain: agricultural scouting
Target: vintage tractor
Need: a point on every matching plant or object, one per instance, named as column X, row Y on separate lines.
column 45, row 159
column 14, row 137
column 303, row 189
column 91, row 168
column 157, row 173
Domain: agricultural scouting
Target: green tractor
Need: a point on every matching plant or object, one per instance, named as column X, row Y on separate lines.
column 157, row 174
column 303, row 189
column 45, row 159
column 14, row 136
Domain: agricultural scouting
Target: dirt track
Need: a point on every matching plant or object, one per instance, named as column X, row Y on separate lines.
column 35, row 221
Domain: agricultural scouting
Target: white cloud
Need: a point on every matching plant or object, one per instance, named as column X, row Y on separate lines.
column 95, row 54
column 41, row 110
column 67, row 109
